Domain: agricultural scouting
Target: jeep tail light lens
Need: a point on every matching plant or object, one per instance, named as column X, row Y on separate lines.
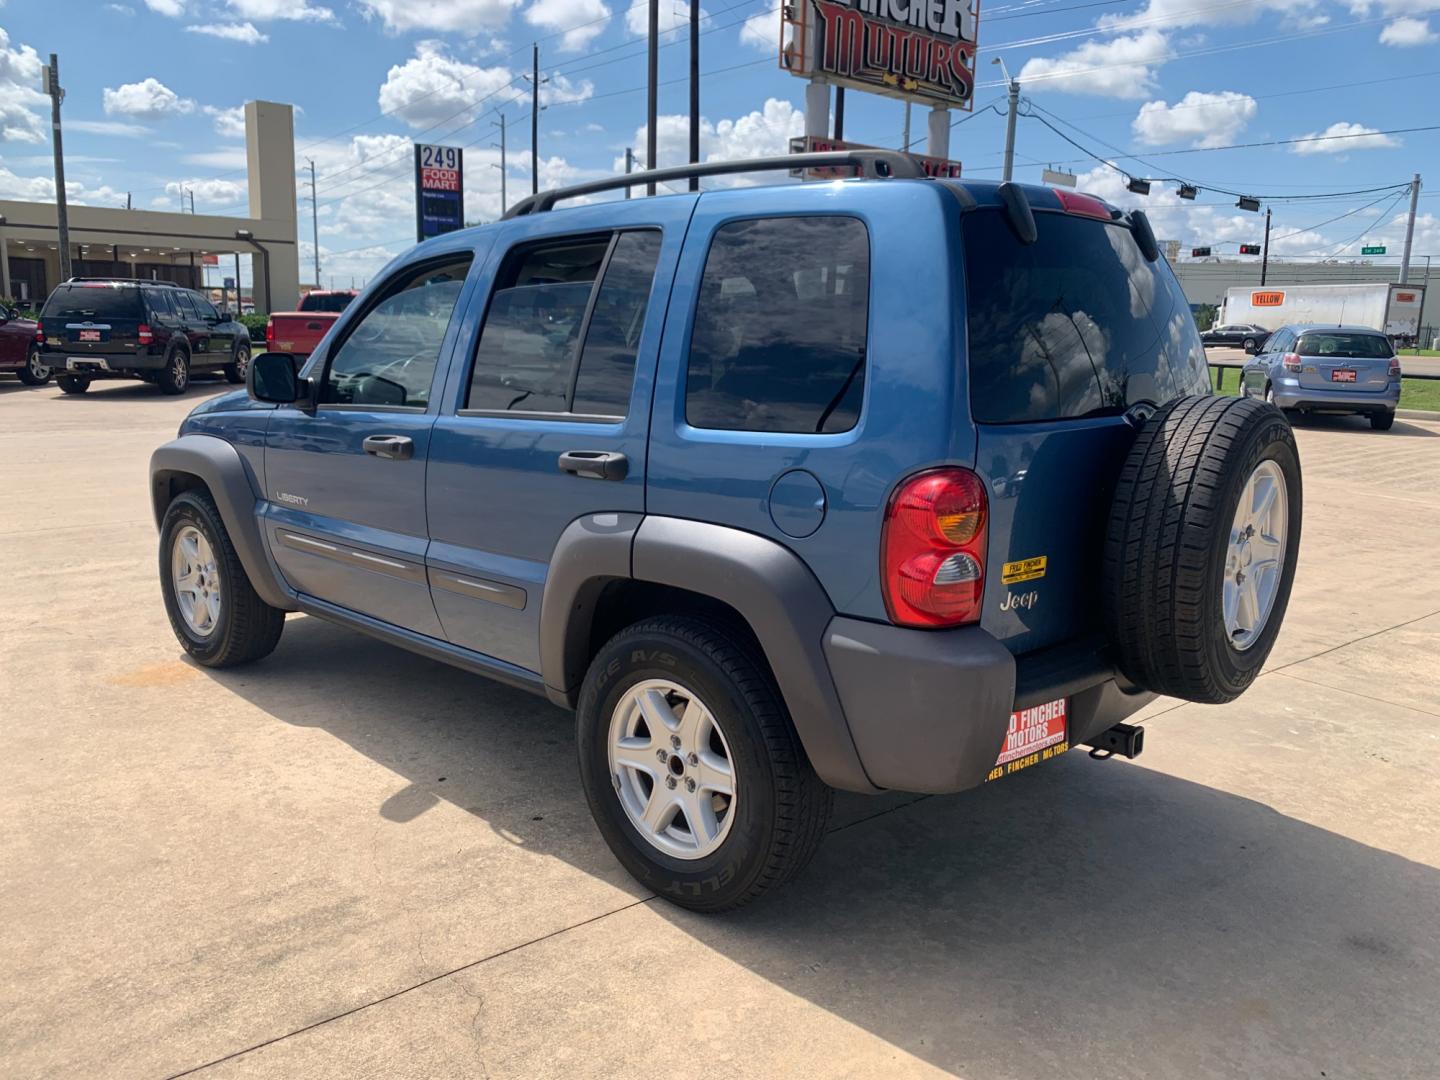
column 147, row 336
column 1291, row 360
column 269, row 333
column 933, row 549
column 1394, row 372
column 1084, row 205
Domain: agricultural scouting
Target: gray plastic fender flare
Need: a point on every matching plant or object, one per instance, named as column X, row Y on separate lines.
column 226, row 475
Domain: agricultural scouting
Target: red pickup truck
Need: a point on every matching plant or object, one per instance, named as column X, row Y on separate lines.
column 299, row 332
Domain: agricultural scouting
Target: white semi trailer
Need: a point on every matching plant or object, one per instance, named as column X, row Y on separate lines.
column 1393, row 309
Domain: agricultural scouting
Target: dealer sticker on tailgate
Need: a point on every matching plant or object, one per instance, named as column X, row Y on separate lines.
column 1035, row 734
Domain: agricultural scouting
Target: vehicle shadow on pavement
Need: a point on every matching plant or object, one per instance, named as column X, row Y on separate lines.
column 1080, row 919
column 1360, row 423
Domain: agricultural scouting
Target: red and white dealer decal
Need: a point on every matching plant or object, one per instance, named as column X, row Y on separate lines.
column 1035, row 734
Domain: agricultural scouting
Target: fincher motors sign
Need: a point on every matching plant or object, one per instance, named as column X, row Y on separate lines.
column 923, row 50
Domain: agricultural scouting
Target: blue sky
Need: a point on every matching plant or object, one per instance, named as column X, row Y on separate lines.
column 1161, row 87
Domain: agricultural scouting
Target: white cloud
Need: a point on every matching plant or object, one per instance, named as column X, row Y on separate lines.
column 674, row 14
column 120, row 9
column 451, row 16
column 1122, row 67
column 22, row 105
column 148, row 99
column 1207, row 119
column 288, row 10
column 244, row 32
column 209, row 193
column 1343, row 137
column 1408, row 31
column 229, row 123
column 433, row 87
column 765, row 132
column 42, row 189
column 581, row 20
column 1184, row 13
column 763, row 30
column 108, row 127
column 172, row 8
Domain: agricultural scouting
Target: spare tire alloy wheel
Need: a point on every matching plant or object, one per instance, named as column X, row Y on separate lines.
column 1256, row 555
column 671, row 768
column 1200, row 547
column 196, row 579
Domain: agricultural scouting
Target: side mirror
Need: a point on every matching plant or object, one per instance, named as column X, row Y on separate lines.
column 274, row 377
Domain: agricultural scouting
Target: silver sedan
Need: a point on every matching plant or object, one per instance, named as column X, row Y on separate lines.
column 1328, row 369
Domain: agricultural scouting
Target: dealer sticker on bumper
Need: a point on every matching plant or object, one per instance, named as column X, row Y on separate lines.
column 1035, row 734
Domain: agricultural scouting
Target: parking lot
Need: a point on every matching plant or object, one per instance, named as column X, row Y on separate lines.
column 349, row 861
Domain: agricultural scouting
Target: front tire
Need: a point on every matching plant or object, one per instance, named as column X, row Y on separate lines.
column 215, row 612
column 1249, row 345
column 693, row 771
column 236, row 369
column 34, row 373
column 72, row 384
column 174, row 377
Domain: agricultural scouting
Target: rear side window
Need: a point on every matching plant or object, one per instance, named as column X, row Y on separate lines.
column 563, row 327
column 94, row 302
column 1345, row 345
column 780, row 327
column 1077, row 324
column 185, row 305
column 159, row 301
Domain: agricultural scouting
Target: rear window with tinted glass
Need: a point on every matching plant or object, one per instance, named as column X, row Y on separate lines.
column 94, row 302
column 1344, row 345
column 1077, row 324
column 325, row 302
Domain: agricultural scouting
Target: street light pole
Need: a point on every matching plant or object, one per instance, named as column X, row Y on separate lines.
column 62, row 217
column 629, row 166
column 535, row 119
column 1010, row 120
column 1410, row 229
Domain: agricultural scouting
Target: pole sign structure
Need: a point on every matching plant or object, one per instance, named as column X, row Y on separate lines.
column 915, row 50
column 439, row 190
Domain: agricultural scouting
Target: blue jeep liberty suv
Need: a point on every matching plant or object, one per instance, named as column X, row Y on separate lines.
column 888, row 483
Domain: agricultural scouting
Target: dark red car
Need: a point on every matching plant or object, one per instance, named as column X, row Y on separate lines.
column 19, row 351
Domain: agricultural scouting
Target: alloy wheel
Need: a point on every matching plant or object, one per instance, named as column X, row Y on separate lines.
column 1255, row 558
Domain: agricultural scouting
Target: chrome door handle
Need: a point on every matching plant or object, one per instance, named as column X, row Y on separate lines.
column 390, row 447
column 595, row 464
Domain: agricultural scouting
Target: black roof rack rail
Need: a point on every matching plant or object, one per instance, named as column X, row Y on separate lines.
column 873, row 164
column 128, row 280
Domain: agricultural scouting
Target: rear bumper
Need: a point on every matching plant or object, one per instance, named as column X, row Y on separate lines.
column 101, row 366
column 1289, row 394
column 928, row 710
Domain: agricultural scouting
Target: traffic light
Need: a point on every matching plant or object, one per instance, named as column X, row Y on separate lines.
column 1199, row 253
column 1249, row 249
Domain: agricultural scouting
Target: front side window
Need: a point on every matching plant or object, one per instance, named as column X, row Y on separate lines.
column 780, row 327
column 563, row 328
column 389, row 357
column 204, row 307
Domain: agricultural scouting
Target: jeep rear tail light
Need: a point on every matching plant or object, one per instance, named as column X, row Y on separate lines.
column 270, row 333
column 146, row 336
column 933, row 549
column 1291, row 360
column 1394, row 371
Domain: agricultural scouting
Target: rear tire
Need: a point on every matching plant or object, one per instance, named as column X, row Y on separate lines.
column 174, row 377
column 239, row 627
column 34, row 373
column 72, row 384
column 236, row 369
column 777, row 810
column 1177, row 553
column 1382, row 421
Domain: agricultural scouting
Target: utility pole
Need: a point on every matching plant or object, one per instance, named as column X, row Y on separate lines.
column 694, row 90
column 1409, row 229
column 504, row 202
column 62, row 217
column 314, row 221
column 535, row 118
column 840, row 112
column 1010, row 121
column 239, row 296
column 1265, row 253
column 629, row 166
column 127, row 200
column 192, row 201
column 652, row 100
column 905, row 135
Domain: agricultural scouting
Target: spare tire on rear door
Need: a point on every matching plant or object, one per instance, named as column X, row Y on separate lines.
column 1200, row 547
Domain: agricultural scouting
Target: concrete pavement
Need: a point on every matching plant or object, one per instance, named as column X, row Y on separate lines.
column 349, row 861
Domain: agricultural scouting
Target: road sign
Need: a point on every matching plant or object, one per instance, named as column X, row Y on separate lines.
column 229, row 283
column 439, row 190
column 1375, row 250
column 1056, row 176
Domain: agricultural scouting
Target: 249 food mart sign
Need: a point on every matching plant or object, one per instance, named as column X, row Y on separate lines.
column 439, row 190
column 921, row 50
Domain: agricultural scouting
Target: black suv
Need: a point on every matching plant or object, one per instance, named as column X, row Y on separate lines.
column 119, row 328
